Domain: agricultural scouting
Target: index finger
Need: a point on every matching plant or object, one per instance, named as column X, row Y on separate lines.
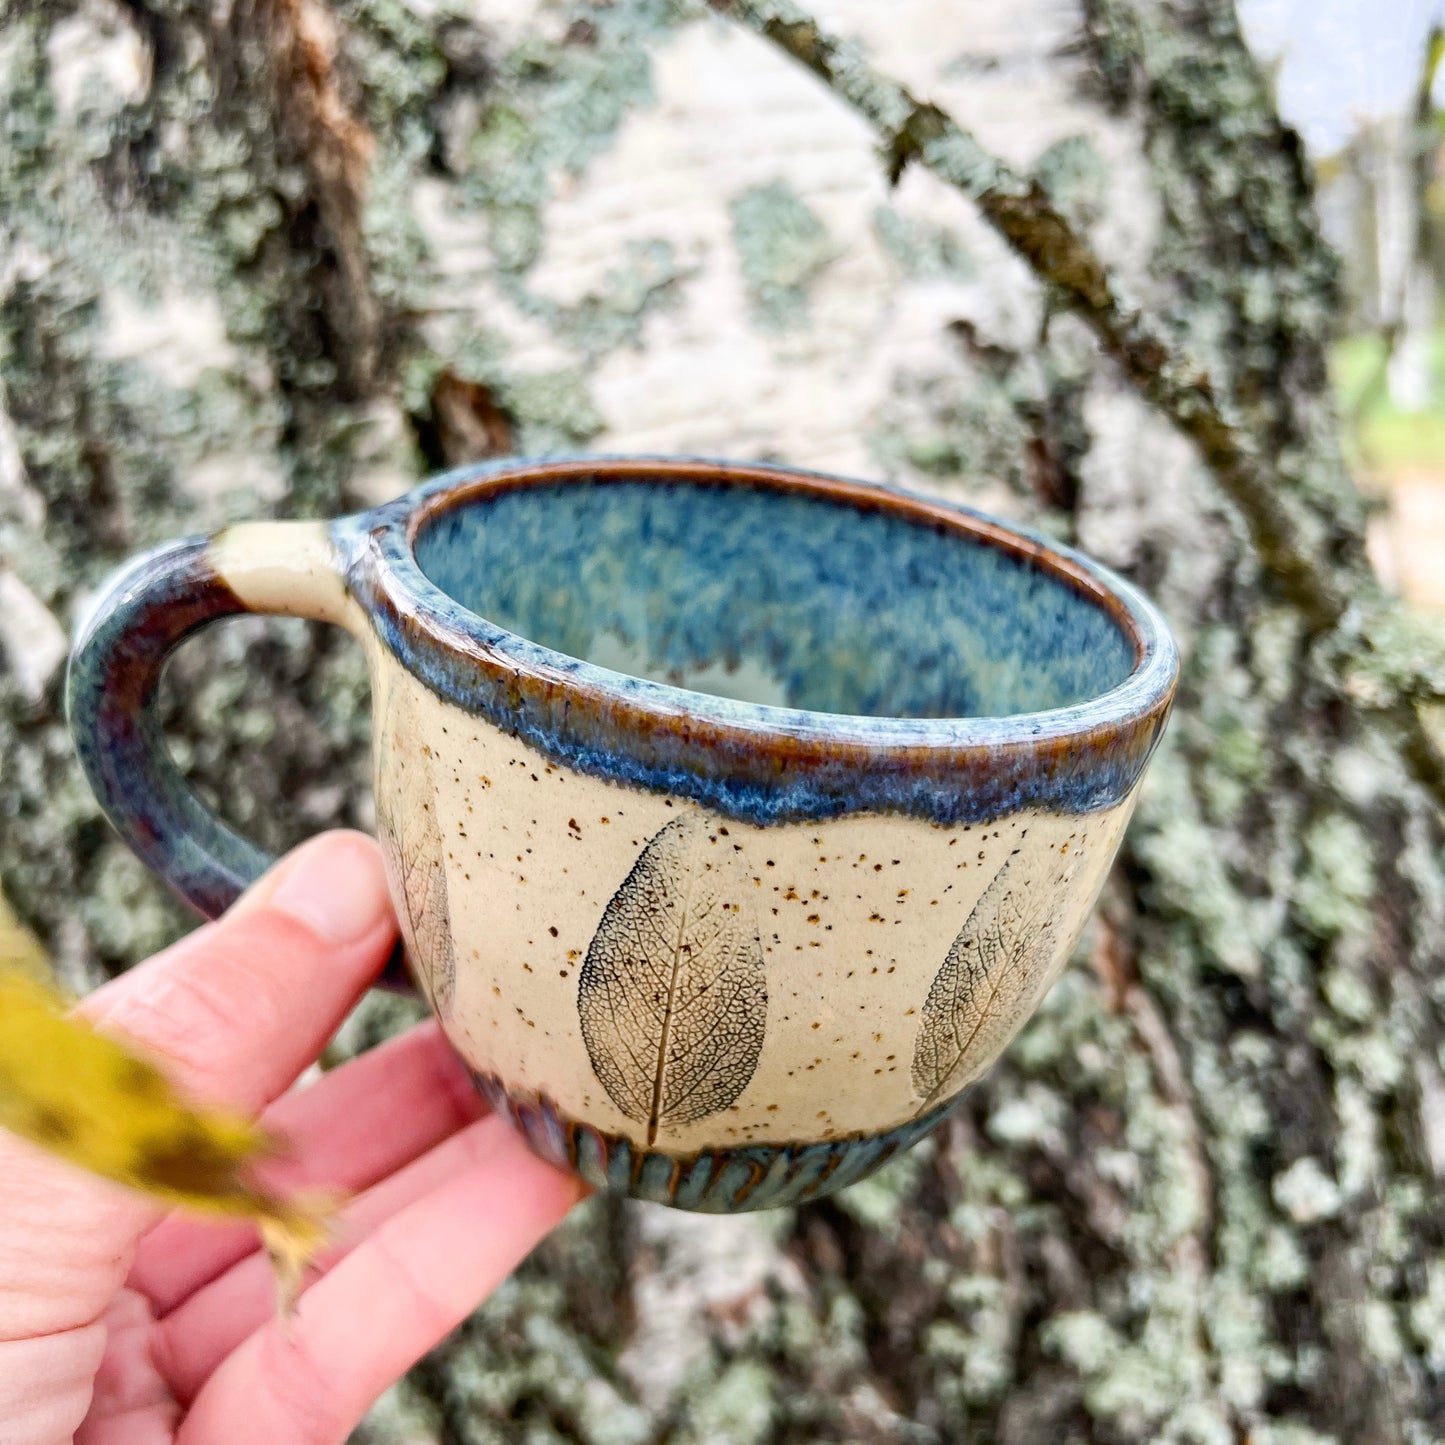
column 237, row 1010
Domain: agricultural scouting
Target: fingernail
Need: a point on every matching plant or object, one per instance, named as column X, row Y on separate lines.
column 335, row 886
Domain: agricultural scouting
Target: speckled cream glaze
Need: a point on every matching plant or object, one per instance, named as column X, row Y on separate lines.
column 721, row 953
column 855, row 917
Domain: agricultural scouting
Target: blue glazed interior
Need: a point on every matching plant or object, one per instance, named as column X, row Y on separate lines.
column 775, row 597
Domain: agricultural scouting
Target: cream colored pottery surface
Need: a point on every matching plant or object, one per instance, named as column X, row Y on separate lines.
column 845, row 926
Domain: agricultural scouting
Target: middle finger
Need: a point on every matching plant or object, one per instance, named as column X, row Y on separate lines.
column 190, row 1343
column 356, row 1124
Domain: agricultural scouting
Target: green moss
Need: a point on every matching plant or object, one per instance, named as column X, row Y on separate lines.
column 1427, row 1315
column 782, row 246
column 962, row 426
column 1398, row 652
column 548, row 106
column 399, row 60
column 395, row 246
column 921, row 251
column 1286, row 1432
column 1348, row 993
column 1150, row 1384
column 1076, row 178
column 1201, row 1423
column 552, row 410
column 551, row 105
column 739, row 1406
column 1337, row 884
column 1306, row 1192
column 985, row 1184
column 515, row 234
column 878, row 1202
column 647, row 281
column 1082, row 1337
column 403, row 1416
column 1279, row 1264
column 974, row 1347
column 1190, row 879
column 125, row 917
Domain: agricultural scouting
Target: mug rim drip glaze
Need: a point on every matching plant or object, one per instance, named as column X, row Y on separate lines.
column 725, row 753
column 918, row 782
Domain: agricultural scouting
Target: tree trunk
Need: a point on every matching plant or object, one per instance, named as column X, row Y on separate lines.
column 286, row 256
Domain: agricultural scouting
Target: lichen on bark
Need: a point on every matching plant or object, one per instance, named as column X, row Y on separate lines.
column 282, row 257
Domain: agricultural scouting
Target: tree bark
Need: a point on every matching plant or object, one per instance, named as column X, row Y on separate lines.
column 286, row 256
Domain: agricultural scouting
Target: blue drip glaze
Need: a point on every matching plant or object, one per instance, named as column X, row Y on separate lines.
column 755, row 761
column 735, row 1171
column 618, row 1175
column 591, row 1157
column 775, row 1175
column 656, row 1175
column 867, row 615
column 862, row 1159
column 714, row 1181
column 146, row 610
column 693, row 1186
column 803, row 1180
column 555, row 1134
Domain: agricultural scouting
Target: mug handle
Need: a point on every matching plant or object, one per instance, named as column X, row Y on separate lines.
column 288, row 569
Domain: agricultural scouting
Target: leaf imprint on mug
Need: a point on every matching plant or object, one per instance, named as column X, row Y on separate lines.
column 412, row 845
column 997, row 970
column 672, row 996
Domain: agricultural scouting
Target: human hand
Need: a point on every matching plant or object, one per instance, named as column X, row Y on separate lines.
column 121, row 1324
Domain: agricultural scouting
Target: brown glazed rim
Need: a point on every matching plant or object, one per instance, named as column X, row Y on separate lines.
column 755, row 760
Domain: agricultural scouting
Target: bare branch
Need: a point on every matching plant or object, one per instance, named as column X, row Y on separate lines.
column 1295, row 544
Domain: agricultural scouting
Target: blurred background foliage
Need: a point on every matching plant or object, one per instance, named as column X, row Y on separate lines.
column 1382, row 204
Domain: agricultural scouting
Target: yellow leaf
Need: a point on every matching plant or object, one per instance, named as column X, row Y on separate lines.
column 18, row 946
column 292, row 1245
column 91, row 1100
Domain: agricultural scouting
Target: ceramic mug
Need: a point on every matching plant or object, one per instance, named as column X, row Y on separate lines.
column 736, row 817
